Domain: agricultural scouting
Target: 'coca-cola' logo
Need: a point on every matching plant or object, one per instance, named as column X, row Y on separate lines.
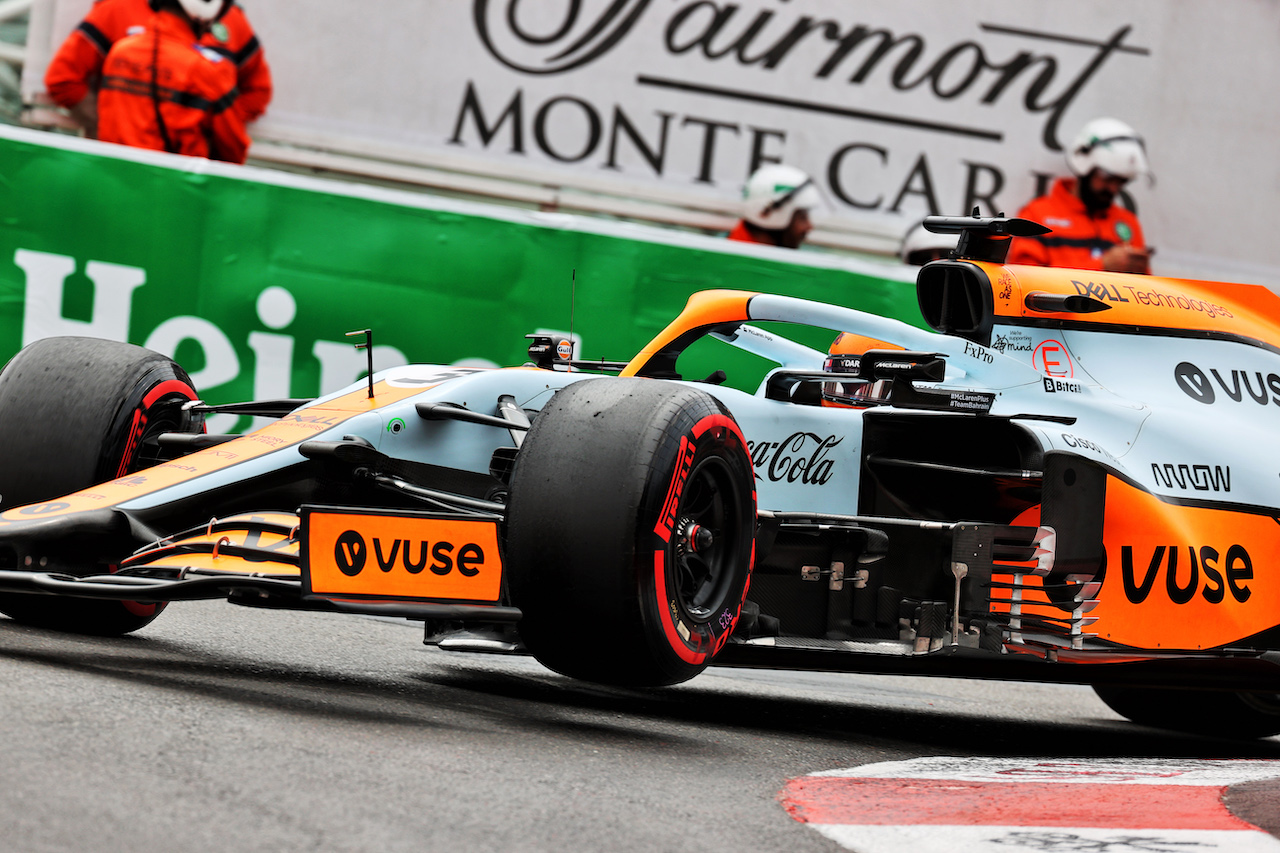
column 801, row 456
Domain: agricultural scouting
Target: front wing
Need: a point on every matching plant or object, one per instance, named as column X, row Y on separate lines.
column 1010, row 616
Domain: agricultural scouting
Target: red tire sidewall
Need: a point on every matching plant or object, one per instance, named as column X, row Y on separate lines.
column 165, row 387
column 693, row 642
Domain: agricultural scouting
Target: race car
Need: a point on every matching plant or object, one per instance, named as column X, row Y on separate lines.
column 1066, row 480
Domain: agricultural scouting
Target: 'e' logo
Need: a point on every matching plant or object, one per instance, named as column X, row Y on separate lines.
column 350, row 552
column 1051, row 357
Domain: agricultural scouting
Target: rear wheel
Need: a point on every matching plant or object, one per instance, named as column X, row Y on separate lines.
column 75, row 412
column 630, row 531
column 1221, row 713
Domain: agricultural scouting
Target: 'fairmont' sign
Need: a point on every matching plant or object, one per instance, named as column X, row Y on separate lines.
column 897, row 110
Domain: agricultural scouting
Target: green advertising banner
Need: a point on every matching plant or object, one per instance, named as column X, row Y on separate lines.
column 252, row 278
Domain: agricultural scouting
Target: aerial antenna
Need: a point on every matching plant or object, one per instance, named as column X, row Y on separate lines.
column 367, row 346
column 573, row 299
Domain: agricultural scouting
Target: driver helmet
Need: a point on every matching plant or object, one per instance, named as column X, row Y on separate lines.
column 774, row 193
column 1110, row 145
column 842, row 357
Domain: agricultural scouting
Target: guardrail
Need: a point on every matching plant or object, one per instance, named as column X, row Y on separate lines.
column 528, row 185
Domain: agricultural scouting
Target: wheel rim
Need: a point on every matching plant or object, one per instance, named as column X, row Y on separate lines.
column 706, row 547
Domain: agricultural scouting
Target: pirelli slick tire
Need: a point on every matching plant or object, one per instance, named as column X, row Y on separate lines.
column 75, row 412
column 1221, row 713
column 630, row 531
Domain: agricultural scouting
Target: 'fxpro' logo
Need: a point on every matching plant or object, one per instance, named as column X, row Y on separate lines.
column 1239, row 385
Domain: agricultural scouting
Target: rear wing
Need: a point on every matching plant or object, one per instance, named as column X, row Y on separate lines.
column 973, row 291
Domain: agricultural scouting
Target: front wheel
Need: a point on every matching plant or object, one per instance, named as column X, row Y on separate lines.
column 75, row 412
column 630, row 531
column 1221, row 713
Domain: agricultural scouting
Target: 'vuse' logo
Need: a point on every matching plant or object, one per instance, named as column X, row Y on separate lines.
column 350, row 553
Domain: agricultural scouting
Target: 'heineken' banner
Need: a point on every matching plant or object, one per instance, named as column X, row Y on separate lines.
column 252, row 278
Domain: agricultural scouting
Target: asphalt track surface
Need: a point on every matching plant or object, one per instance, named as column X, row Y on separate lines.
column 220, row 728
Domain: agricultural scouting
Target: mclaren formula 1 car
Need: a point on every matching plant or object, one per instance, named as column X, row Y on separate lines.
column 1067, row 480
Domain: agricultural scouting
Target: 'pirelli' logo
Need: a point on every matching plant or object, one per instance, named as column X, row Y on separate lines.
column 667, row 518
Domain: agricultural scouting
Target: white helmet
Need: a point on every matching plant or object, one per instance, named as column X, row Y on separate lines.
column 1110, row 145
column 773, row 193
column 205, row 10
column 919, row 246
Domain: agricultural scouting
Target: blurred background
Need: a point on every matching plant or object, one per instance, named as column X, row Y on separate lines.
column 613, row 138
